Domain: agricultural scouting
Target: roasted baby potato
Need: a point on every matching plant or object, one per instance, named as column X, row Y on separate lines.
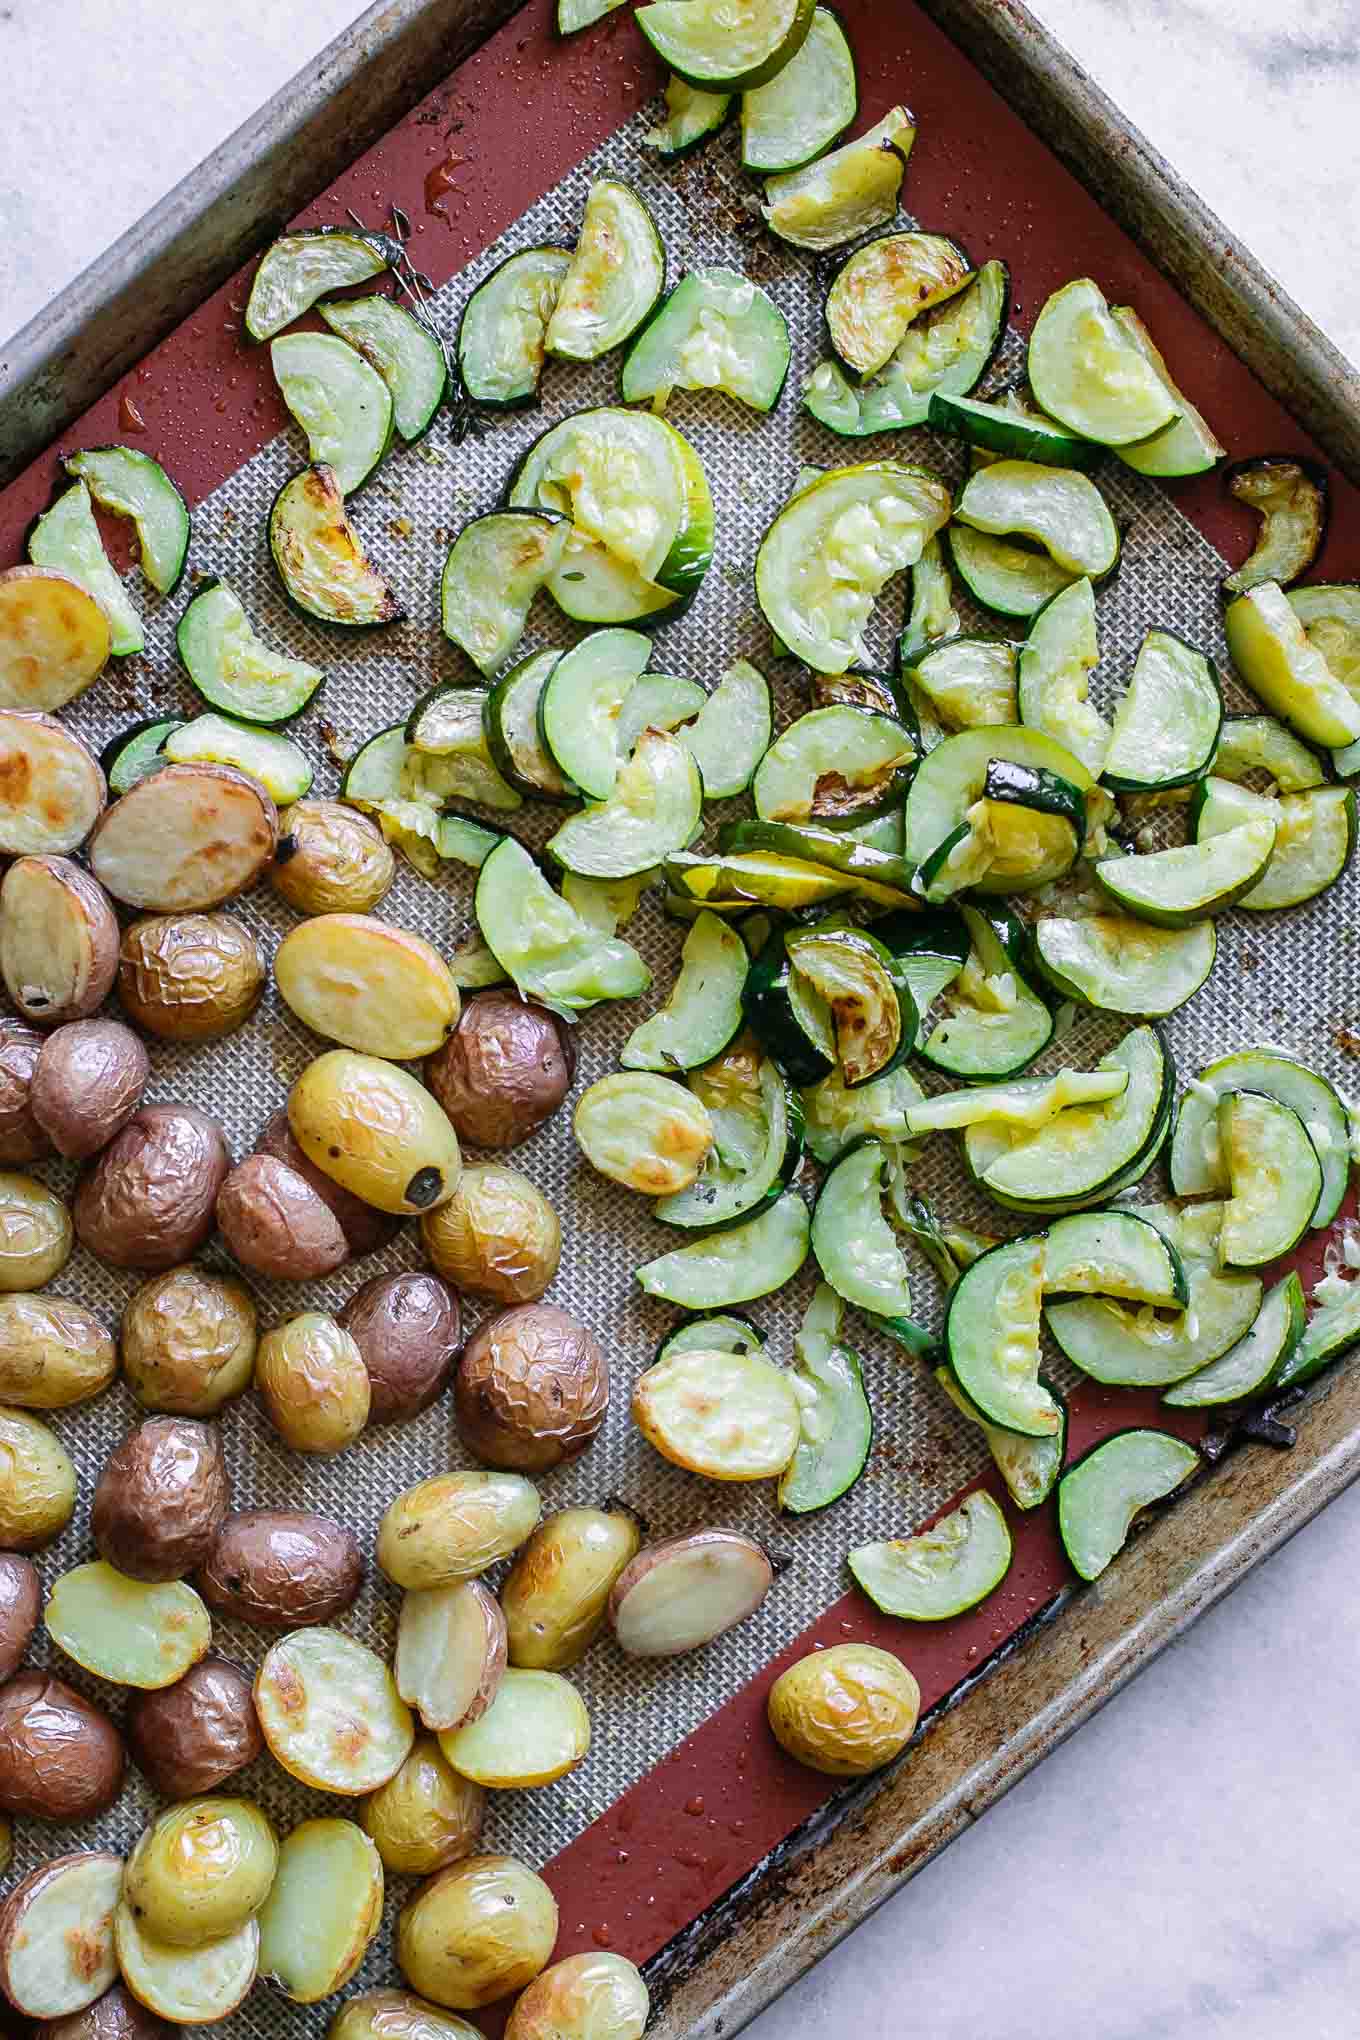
column 425, row 1817
column 354, row 979
column 681, row 1593
column 147, row 1201
column 330, row 859
column 52, row 791
column 365, row 1228
column 453, row 1526
column 450, row 1653
column 313, row 1383
column 276, row 1224
column 37, row 1482
column 130, row 1632
column 375, row 1131
column 56, row 1934
column 324, row 1909
column 331, row 1712
column 506, row 1068
column 397, row 2015
column 846, row 1711
column 188, row 1341
column 61, row 1758
column 647, row 1132
column 86, row 1084
column 20, row 1607
column 23, row 1138
column 478, row 1930
column 200, row 1871
column 187, row 1986
column 282, row 1568
column 115, row 2016
column 58, row 940
column 534, row 1732
column 497, row 1236
column 161, row 1500
column 35, row 1232
column 596, row 1996
column 191, row 1737
column 190, row 977
column 185, row 839
column 52, row 1353
column 730, row 1416
column 409, row 1329
column 532, row 1388
column 54, row 639
column 556, row 1596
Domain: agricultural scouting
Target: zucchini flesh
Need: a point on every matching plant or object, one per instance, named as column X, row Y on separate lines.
column 931, row 950
column 1087, row 1146
column 1056, row 508
column 845, row 194
column 1025, row 1102
column 716, row 331
column 834, row 766
column 512, row 730
column 407, row 355
column 755, row 878
column 1186, row 446
column 1257, row 743
column 855, row 1246
column 580, row 705
column 992, row 1337
column 1167, row 727
column 234, row 670
column 653, row 810
column 66, row 538
column 941, row 1573
column 1198, row 1167
column 575, row 14
column 953, row 776
column 731, row 733
column 340, row 401
column 299, row 268
column 377, row 770
column 1122, row 965
column 1029, row 1466
column 605, row 903
column 504, row 323
column 1113, row 1253
column 728, row 45
column 320, row 559
column 1314, row 837
column 494, row 569
column 691, row 117
column 787, row 1016
column 947, row 349
column 805, row 107
column 1291, row 497
column 872, row 1011
column 1011, row 433
column 1087, row 373
column 1100, row 1496
column 994, row 1024
column 1171, row 887
column 1249, row 1367
column 1330, row 615
column 1059, row 652
column 543, row 944
column 836, row 1118
column 702, row 1013
column 731, row 1191
column 1278, row 661
column 829, row 552
column 133, row 485
column 970, row 681
column 837, row 850
column 722, row 1333
column 1025, row 832
column 882, row 287
column 1274, row 1178
column 280, row 767
column 656, row 701
column 614, row 279
column 136, row 752
column 449, row 758
column 734, row 1266
column 932, row 616
column 836, row 1425
column 1010, row 579
column 1332, row 1329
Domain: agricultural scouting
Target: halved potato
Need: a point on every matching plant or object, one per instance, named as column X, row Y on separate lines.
column 54, row 639
column 183, row 840
column 686, row 1590
column 730, row 1416
column 131, row 1632
column 201, row 1870
column 52, row 791
column 56, row 1934
column 556, row 1596
column 58, row 940
column 450, row 1653
column 478, row 1930
column 535, row 1730
column 331, row 1713
column 454, row 1525
column 187, row 1986
column 373, row 987
column 644, row 1131
column 324, row 1909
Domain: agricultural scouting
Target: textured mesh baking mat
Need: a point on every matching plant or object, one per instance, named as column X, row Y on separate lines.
column 1290, row 980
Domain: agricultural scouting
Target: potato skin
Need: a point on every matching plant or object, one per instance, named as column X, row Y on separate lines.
column 276, row 1224
column 454, row 1525
column 556, row 1596
column 35, row 1232
column 36, row 892
column 282, row 1569
column 313, row 1383
column 397, row 2015
column 532, row 1388
column 87, row 1084
column 497, row 1236
column 188, row 1738
column 364, row 1227
column 162, row 1498
column 53, row 1353
column 20, row 1606
column 190, row 977
column 844, row 1711
column 506, row 1068
column 409, row 1329
column 61, row 1758
column 482, row 1928
column 147, row 1202
column 374, row 1130
column 331, row 859
column 23, row 1138
column 426, row 1816
column 115, row 2016
column 581, row 1997
column 37, row 1482
column 189, row 1341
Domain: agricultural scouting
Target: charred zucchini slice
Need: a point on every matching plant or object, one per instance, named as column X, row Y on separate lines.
column 806, row 107
column 726, row 45
column 944, row 1571
column 835, row 766
column 1059, row 652
column 716, row 331
column 66, row 539
column 1122, row 965
column 1010, row 579
column 656, row 701
column 862, row 986
column 691, row 117
column 133, row 485
column 580, row 705
column 449, row 757
column 1184, row 447
column 969, row 681
column 1278, row 660
column 883, row 286
column 1056, row 508
column 300, row 268
column 1314, row 837
column 407, row 355
column 504, row 323
column 543, row 944
column 340, row 401
column 319, row 558
column 653, row 810
column 233, row 669
column 614, row 279
column 1099, row 1497
column 731, row 733
column 946, row 349
column 702, row 1014
column 494, row 569
column 1291, row 499
column 1168, row 725
column 1087, row 373
column 836, row 1425
column 845, row 194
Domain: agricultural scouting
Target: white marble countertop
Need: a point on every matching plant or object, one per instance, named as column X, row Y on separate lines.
column 1187, row 1863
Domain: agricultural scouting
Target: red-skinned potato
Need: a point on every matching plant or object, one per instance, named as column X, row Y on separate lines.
column 20, row 1606
column 364, row 1227
column 148, row 1200
column 58, row 940
column 408, row 1327
column 505, row 1068
column 87, row 1083
column 190, row 977
column 681, row 1593
column 61, row 1758
column 282, row 1569
column 185, row 839
column 23, row 1138
column 275, row 1223
column 532, row 1388
column 115, row 2016
column 189, row 1738
column 162, row 1498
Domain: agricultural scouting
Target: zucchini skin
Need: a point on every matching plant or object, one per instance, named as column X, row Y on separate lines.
column 769, row 1014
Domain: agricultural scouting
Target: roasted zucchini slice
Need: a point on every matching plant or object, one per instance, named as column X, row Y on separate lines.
column 932, row 615
column 543, row 944
column 1056, row 508
column 656, row 701
column 944, row 1571
column 736, row 1265
column 1274, row 1178
column 494, row 569
column 702, row 1013
column 1059, row 652
column 1122, row 965
column 1025, row 831
column 726, row 45
column 1025, row 1101
column 1010, row 431
column 1184, row 447
column 1291, row 498
column 947, row 349
column 1330, row 615
column 1314, row 837
column 836, row 1425
column 319, row 558
column 136, row 752
column 1029, row 1466
column 992, row 1338
column 581, row 702
column 1167, row 727
column 1099, row 1497
column 835, row 766
column 504, row 323
column 614, row 279
column 1173, row 887
column 691, row 117
column 340, row 401
column 575, row 14
column 1081, row 1153
column 758, row 1123
column 865, row 993
column 297, row 269
column 1257, row 743
column 653, row 810
column 1087, row 373
column 281, row 768
column 883, row 286
column 952, row 777
column 845, row 194
column 406, row 353
column 731, row 733
column 969, row 681
column 1278, row 660
column 233, row 669
column 449, row 758
column 993, row 1024
column 806, row 107
column 856, row 1248
column 133, row 485
column 1011, row 579
column 716, row 331
column 1258, row 1359
column 66, row 539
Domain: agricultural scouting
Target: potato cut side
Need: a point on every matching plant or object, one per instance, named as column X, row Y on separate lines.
column 54, row 639
column 682, row 1593
column 731, row 1416
column 450, row 1653
column 535, row 1730
column 56, row 1935
column 324, row 1909
column 187, row 1986
column 185, row 839
column 131, row 1632
column 378, row 989
column 52, row 791
column 331, row 1713
column 58, row 940
column 644, row 1131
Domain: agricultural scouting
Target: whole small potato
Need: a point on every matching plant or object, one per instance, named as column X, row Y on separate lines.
column 425, row 1817
column 330, row 859
column 408, row 1327
column 191, row 1737
column 506, row 1068
column 58, row 940
column 365, row 1228
column 189, row 1341
column 597, row 1996
column 845, row 1711
column 532, row 1388
column 35, row 1232
column 20, row 1606
column 190, row 977
column 161, row 1499
column 556, row 1596
column 313, row 1383
column 375, row 1131
column 497, row 1236
column 396, row 2015
column 276, row 1224
column 200, row 1871
column 87, row 1084
column 453, row 1526
column 115, row 2016
column 52, row 1353
column 37, row 1483
column 147, row 1202
column 23, row 1138
column 61, row 1758
column 478, row 1930
column 282, row 1569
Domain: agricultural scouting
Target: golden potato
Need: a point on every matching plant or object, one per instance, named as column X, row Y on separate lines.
column 189, row 1341
column 482, row 1928
column 454, row 1525
column 355, row 979
column 846, row 1711
column 597, row 1996
column 201, row 1870
column 330, row 859
column 426, row 1816
column 313, row 1383
column 37, row 1483
column 556, row 1596
column 375, row 1131
column 497, row 1236
column 35, row 1232
column 52, row 1353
